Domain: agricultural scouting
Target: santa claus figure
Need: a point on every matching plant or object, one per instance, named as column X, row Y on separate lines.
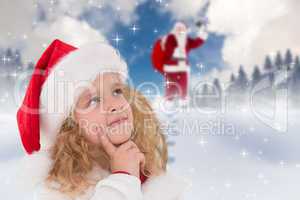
column 172, row 59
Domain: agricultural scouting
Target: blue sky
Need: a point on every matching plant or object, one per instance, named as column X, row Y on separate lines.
column 136, row 46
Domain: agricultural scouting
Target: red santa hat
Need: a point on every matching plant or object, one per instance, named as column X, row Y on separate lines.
column 59, row 77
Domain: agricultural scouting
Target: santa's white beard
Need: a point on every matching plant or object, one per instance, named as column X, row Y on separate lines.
column 181, row 40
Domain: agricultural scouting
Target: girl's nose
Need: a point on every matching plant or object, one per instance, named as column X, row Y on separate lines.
column 115, row 108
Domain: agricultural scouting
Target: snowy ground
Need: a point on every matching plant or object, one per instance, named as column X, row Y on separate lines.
column 230, row 156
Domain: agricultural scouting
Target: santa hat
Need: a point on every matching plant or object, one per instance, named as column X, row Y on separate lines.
column 59, row 77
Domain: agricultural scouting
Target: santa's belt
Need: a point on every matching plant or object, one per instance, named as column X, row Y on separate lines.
column 176, row 68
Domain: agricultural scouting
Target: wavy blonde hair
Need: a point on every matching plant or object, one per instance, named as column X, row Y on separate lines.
column 74, row 157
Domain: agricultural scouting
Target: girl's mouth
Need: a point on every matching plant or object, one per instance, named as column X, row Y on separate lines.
column 118, row 121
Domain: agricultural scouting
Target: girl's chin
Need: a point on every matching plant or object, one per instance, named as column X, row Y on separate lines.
column 119, row 141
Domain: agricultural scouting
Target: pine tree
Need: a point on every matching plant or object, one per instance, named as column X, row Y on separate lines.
column 297, row 62
column 217, row 86
column 296, row 71
column 278, row 61
column 18, row 58
column 288, row 60
column 268, row 66
column 256, row 75
column 205, row 89
column 242, row 79
column 232, row 78
column 295, row 90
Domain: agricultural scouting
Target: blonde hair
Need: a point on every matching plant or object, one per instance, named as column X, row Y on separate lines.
column 74, row 157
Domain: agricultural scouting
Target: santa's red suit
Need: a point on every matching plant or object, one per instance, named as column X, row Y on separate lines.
column 175, row 65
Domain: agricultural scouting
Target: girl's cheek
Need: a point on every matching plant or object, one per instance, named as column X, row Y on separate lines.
column 94, row 133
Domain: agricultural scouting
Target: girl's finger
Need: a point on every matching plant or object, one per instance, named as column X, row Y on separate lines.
column 127, row 145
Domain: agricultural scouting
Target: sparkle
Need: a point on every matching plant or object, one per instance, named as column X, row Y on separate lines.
column 202, row 142
column 200, row 65
column 266, row 140
column 282, row 163
column 134, row 28
column 227, row 185
column 117, row 39
column 148, row 91
column 155, row 31
column 5, row 59
column 244, row 153
column 159, row 1
column 192, row 170
column 14, row 74
column 237, row 137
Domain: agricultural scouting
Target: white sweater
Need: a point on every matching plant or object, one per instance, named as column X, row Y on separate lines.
column 27, row 175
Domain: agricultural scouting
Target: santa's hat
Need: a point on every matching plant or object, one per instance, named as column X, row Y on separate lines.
column 59, row 77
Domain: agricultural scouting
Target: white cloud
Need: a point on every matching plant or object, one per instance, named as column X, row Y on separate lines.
column 253, row 28
column 20, row 28
column 188, row 9
column 67, row 29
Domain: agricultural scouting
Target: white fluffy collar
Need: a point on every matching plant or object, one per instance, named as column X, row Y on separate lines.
column 35, row 167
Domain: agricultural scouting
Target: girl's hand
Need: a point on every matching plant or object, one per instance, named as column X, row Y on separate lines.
column 126, row 157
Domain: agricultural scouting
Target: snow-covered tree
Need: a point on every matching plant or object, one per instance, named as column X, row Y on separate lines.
column 278, row 61
column 256, row 75
column 288, row 60
column 217, row 87
column 268, row 66
column 242, row 80
column 232, row 78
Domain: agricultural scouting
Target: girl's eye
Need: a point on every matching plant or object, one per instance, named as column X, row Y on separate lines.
column 118, row 91
column 94, row 99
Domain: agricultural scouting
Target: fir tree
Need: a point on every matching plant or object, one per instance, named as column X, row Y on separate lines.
column 232, row 78
column 242, row 79
column 278, row 61
column 217, row 86
column 256, row 75
column 288, row 60
column 268, row 66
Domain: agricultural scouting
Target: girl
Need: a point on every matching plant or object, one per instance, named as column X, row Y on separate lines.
column 100, row 139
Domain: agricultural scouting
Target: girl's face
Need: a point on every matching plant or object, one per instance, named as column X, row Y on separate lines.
column 102, row 109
